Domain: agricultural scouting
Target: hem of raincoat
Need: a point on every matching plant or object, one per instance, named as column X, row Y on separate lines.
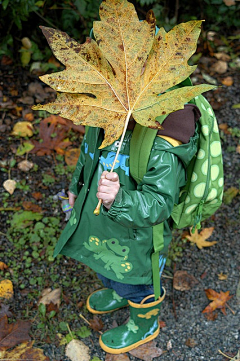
column 139, row 280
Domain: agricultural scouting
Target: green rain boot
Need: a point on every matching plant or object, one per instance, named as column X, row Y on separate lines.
column 105, row 300
column 142, row 327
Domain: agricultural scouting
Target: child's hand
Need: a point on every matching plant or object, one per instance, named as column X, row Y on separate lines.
column 108, row 188
column 71, row 198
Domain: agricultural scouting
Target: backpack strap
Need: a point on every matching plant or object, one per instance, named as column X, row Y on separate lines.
column 140, row 148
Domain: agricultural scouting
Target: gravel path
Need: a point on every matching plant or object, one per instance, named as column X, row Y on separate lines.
column 182, row 311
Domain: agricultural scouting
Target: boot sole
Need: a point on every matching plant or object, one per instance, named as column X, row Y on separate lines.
column 117, row 351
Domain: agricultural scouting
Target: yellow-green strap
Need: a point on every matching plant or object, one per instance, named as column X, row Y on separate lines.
column 158, row 244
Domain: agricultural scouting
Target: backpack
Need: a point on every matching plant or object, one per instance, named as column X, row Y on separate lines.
column 203, row 192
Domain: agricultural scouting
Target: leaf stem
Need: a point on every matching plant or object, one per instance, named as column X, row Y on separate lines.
column 97, row 209
column 233, row 312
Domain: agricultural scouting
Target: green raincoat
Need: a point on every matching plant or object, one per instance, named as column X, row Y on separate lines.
column 118, row 243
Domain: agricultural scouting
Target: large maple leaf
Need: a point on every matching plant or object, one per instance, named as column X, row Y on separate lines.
column 125, row 72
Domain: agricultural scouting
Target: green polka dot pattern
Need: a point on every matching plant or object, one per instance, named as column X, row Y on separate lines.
column 202, row 195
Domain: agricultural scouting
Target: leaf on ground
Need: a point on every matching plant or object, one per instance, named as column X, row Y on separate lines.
column 190, row 342
column 220, row 67
column 14, row 333
column 24, row 148
column 71, row 156
column 23, row 129
column 120, row 357
column 3, row 266
column 200, row 238
column 219, row 300
column 25, row 351
column 25, row 165
column 96, row 323
column 120, row 74
column 10, row 185
column 6, row 289
column 229, row 194
column 51, row 296
column 211, row 316
column 147, row 351
column 30, row 206
column 222, row 277
column 183, row 281
column 228, row 81
column 76, row 350
column 37, row 195
column 4, row 311
column 224, row 127
column 53, row 132
column 162, row 324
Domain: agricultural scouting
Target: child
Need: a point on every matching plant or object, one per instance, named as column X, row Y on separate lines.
column 118, row 244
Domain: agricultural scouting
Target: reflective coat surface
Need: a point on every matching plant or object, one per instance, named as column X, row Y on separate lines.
column 118, row 243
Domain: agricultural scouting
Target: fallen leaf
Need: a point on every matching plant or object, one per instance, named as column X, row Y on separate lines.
column 211, row 316
column 228, row 81
column 182, row 281
column 219, row 300
column 76, row 350
column 120, row 357
column 24, row 148
column 162, row 324
column 190, row 342
column 105, row 82
column 6, row 289
column 29, row 117
column 3, row 266
column 147, row 351
column 51, row 296
column 53, row 131
column 37, row 195
column 224, row 127
column 71, row 156
column 238, row 149
column 222, row 56
column 52, row 307
column 236, row 106
column 23, row 129
column 25, row 165
column 25, row 351
column 14, row 333
column 96, row 323
column 29, row 206
column 200, row 238
column 222, row 277
column 230, row 2
column 10, row 185
column 220, row 67
column 169, row 345
column 229, row 194
column 4, row 311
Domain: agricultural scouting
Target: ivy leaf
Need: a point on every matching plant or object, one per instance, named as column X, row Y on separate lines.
column 219, row 300
column 126, row 72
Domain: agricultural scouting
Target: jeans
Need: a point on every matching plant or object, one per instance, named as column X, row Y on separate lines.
column 134, row 293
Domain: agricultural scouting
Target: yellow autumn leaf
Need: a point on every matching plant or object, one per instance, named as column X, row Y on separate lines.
column 24, row 351
column 200, row 238
column 6, row 289
column 126, row 72
column 23, row 129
